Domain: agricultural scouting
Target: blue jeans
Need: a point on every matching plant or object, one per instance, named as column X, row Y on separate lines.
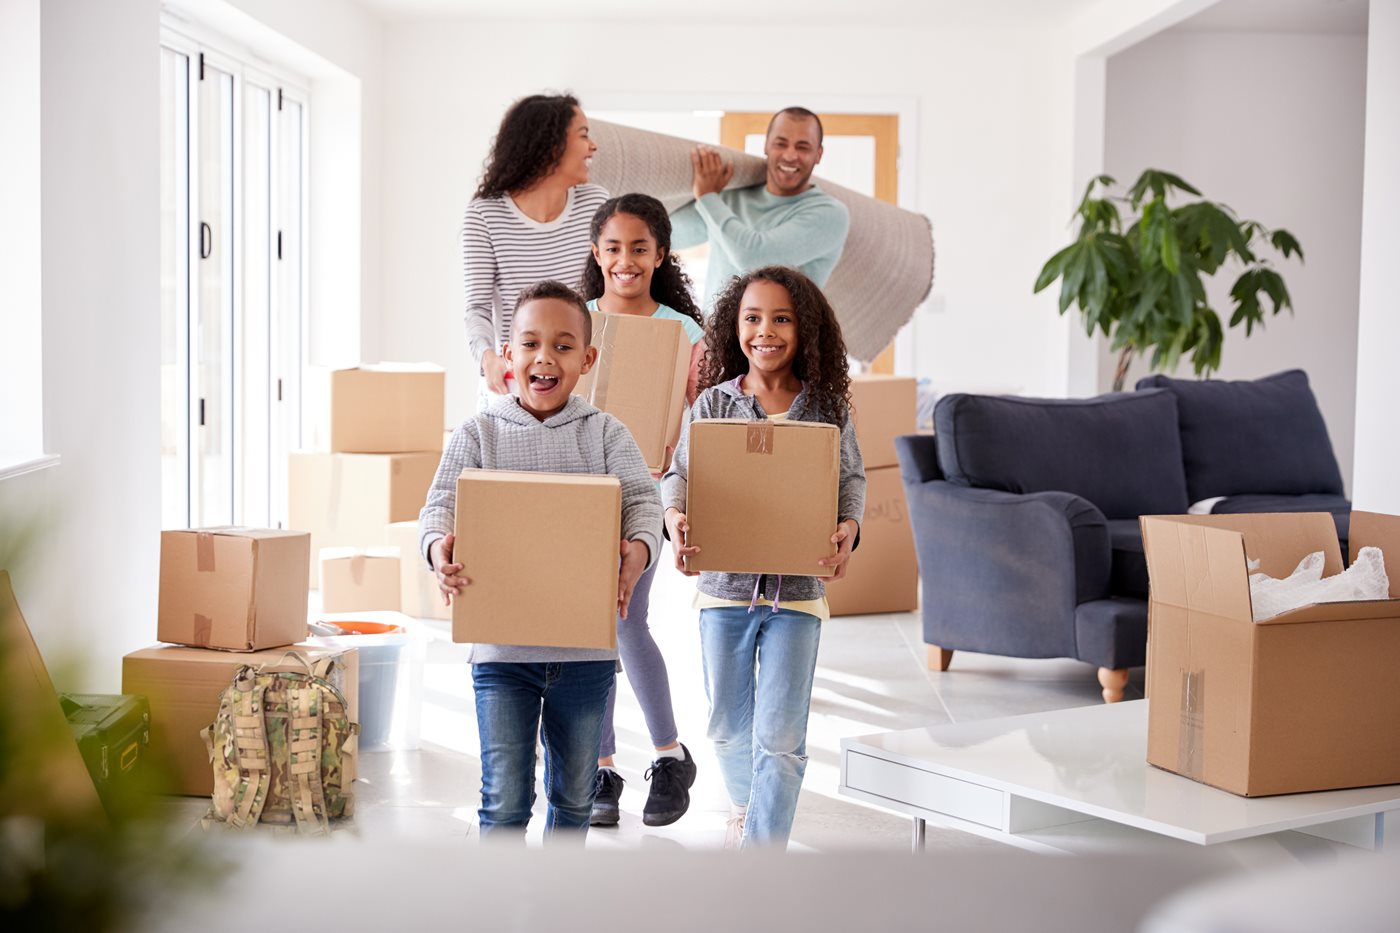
column 560, row 701
column 758, row 676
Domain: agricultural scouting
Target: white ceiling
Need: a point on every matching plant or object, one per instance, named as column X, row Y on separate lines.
column 1325, row 16
column 804, row 12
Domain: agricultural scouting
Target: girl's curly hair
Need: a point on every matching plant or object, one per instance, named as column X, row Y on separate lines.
column 669, row 284
column 530, row 142
column 821, row 350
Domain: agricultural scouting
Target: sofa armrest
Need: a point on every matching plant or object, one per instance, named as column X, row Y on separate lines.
column 1002, row 572
column 918, row 457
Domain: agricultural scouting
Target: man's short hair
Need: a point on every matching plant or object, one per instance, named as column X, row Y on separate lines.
column 560, row 292
column 797, row 113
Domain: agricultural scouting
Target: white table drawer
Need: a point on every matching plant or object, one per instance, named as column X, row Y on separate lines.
column 901, row 784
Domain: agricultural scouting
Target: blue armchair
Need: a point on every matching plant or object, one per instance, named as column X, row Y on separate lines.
column 1025, row 511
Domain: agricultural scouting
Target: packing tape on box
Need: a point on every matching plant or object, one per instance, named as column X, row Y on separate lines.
column 605, row 339
column 203, row 630
column 760, row 437
column 357, row 569
column 1190, row 742
column 204, row 552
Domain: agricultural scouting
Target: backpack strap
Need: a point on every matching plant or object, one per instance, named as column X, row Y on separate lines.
column 308, row 796
column 250, row 745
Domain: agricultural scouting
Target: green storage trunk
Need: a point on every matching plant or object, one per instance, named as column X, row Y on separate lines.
column 114, row 735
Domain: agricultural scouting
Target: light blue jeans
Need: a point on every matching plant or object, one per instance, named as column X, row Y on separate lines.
column 759, row 668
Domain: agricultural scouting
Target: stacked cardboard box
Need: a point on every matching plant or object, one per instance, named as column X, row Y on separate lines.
column 228, row 597
column 385, row 440
column 418, row 590
column 883, row 575
column 1304, row 701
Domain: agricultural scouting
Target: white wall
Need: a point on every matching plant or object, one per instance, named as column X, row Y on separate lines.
column 90, row 578
column 1377, row 374
column 1271, row 124
column 986, row 118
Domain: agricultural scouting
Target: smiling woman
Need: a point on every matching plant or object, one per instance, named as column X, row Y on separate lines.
column 527, row 223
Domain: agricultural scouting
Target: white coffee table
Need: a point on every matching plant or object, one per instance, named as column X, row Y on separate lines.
column 1077, row 780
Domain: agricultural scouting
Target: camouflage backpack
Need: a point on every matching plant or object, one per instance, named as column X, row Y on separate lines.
column 282, row 748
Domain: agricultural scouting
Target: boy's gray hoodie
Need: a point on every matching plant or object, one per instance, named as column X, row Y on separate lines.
column 727, row 400
column 577, row 439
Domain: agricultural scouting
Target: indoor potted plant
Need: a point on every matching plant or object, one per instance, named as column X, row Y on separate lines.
column 1142, row 287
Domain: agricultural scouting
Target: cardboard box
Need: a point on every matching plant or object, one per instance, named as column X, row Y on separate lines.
column 419, row 596
column 387, row 408
column 346, row 500
column 184, row 685
column 640, row 378
column 761, row 495
column 355, row 579
column 883, row 408
column 1305, row 701
column 238, row 589
column 541, row 550
column 883, row 573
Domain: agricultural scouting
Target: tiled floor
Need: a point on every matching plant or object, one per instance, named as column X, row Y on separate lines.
column 871, row 677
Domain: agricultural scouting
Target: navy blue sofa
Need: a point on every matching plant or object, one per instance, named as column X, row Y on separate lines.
column 1025, row 511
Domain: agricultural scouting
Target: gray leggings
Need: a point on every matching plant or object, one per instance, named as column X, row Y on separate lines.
column 645, row 670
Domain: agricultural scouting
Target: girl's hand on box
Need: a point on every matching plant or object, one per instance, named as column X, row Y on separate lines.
column 678, row 528
column 634, row 560
column 844, row 539
column 450, row 578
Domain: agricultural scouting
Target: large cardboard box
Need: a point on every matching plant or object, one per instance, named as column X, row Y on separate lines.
column 640, row 378
column 883, row 573
column 346, row 500
column 355, row 579
column 183, row 686
column 386, row 408
column 883, row 408
column 419, row 595
column 761, row 495
column 1305, row 701
column 541, row 550
column 239, row 589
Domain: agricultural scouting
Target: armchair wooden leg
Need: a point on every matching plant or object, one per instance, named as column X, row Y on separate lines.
column 939, row 658
column 1113, row 681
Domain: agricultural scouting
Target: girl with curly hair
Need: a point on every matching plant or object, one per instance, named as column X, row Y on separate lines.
column 634, row 272
column 527, row 223
column 775, row 351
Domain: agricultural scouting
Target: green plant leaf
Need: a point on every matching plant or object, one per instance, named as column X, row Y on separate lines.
column 1176, row 181
column 1053, row 268
column 1285, row 243
column 1075, row 267
column 1171, row 249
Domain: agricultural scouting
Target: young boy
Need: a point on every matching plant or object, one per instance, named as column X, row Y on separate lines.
column 558, row 693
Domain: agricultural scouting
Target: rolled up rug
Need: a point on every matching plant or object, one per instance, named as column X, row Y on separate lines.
column 884, row 273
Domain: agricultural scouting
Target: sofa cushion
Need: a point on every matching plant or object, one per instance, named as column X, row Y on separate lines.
column 1127, row 573
column 1121, row 452
column 1266, row 436
column 1339, row 506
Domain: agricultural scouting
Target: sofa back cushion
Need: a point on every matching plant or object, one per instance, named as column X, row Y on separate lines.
column 1121, row 452
column 1261, row 437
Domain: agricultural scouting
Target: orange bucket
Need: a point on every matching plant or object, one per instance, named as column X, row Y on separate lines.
column 366, row 628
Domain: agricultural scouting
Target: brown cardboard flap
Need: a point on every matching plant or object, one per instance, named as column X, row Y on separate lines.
column 1337, row 611
column 1278, row 540
column 1372, row 529
column 1195, row 566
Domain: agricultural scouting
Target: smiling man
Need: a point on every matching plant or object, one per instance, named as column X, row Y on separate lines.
column 786, row 221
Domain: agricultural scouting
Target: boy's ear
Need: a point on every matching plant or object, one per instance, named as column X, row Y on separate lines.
column 590, row 356
column 505, row 351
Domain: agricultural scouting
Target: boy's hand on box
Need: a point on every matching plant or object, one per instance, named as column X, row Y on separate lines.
column 449, row 575
column 634, row 560
column 677, row 527
column 844, row 539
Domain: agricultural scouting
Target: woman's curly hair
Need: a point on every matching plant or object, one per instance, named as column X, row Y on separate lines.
column 669, row 284
column 821, row 350
column 531, row 140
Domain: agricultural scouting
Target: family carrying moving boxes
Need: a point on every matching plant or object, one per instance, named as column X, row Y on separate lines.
column 1305, row 701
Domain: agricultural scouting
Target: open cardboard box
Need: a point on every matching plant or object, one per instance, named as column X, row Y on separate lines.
column 1304, row 701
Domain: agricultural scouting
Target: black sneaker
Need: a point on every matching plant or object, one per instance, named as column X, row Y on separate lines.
column 669, row 798
column 609, row 790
